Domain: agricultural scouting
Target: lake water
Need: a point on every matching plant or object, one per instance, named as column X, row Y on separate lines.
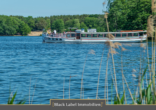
column 39, row 71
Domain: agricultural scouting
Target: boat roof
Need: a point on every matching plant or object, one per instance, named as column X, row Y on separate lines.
column 141, row 31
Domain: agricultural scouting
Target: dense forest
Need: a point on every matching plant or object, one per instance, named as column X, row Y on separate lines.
column 123, row 15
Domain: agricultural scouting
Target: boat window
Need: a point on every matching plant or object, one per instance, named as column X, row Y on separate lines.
column 56, row 39
column 60, row 39
column 83, row 35
column 118, row 35
column 88, row 35
column 129, row 34
column 124, row 35
column 141, row 33
column 135, row 34
column 52, row 38
column 100, row 35
column 94, row 35
column 68, row 35
column 72, row 35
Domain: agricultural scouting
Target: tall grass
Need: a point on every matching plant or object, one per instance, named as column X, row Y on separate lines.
column 106, row 81
column 69, row 83
column 11, row 99
column 99, row 74
column 145, row 96
column 33, row 92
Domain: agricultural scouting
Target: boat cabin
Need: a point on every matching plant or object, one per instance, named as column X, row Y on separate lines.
column 93, row 34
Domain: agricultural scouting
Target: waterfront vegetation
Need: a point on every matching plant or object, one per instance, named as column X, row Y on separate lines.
column 123, row 15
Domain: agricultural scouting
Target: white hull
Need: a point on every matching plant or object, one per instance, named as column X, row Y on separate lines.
column 101, row 41
column 62, row 40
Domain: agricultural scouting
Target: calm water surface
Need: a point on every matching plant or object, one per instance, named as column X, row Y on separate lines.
column 29, row 66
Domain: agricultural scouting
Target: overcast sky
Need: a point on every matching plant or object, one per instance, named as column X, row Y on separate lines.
column 44, row 8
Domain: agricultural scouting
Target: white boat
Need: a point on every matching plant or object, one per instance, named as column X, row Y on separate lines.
column 79, row 36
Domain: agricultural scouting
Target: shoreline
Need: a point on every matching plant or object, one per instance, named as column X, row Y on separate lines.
column 32, row 34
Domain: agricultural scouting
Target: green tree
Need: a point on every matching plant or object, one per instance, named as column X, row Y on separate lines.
column 129, row 14
column 47, row 23
column 69, row 23
column 31, row 24
column 24, row 29
column 100, row 29
column 76, row 23
column 8, row 25
column 84, row 26
column 1, row 30
column 40, row 23
column 91, row 22
column 58, row 25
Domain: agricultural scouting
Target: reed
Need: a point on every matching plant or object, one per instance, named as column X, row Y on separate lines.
column 128, row 88
column 136, row 93
column 141, row 45
column 82, row 76
column 106, row 81
column 143, row 96
column 33, row 92
column 112, row 51
column 113, row 82
column 99, row 74
column 123, row 49
column 69, row 83
column 90, row 52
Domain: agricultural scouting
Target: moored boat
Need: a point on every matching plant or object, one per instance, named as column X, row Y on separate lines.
column 79, row 36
